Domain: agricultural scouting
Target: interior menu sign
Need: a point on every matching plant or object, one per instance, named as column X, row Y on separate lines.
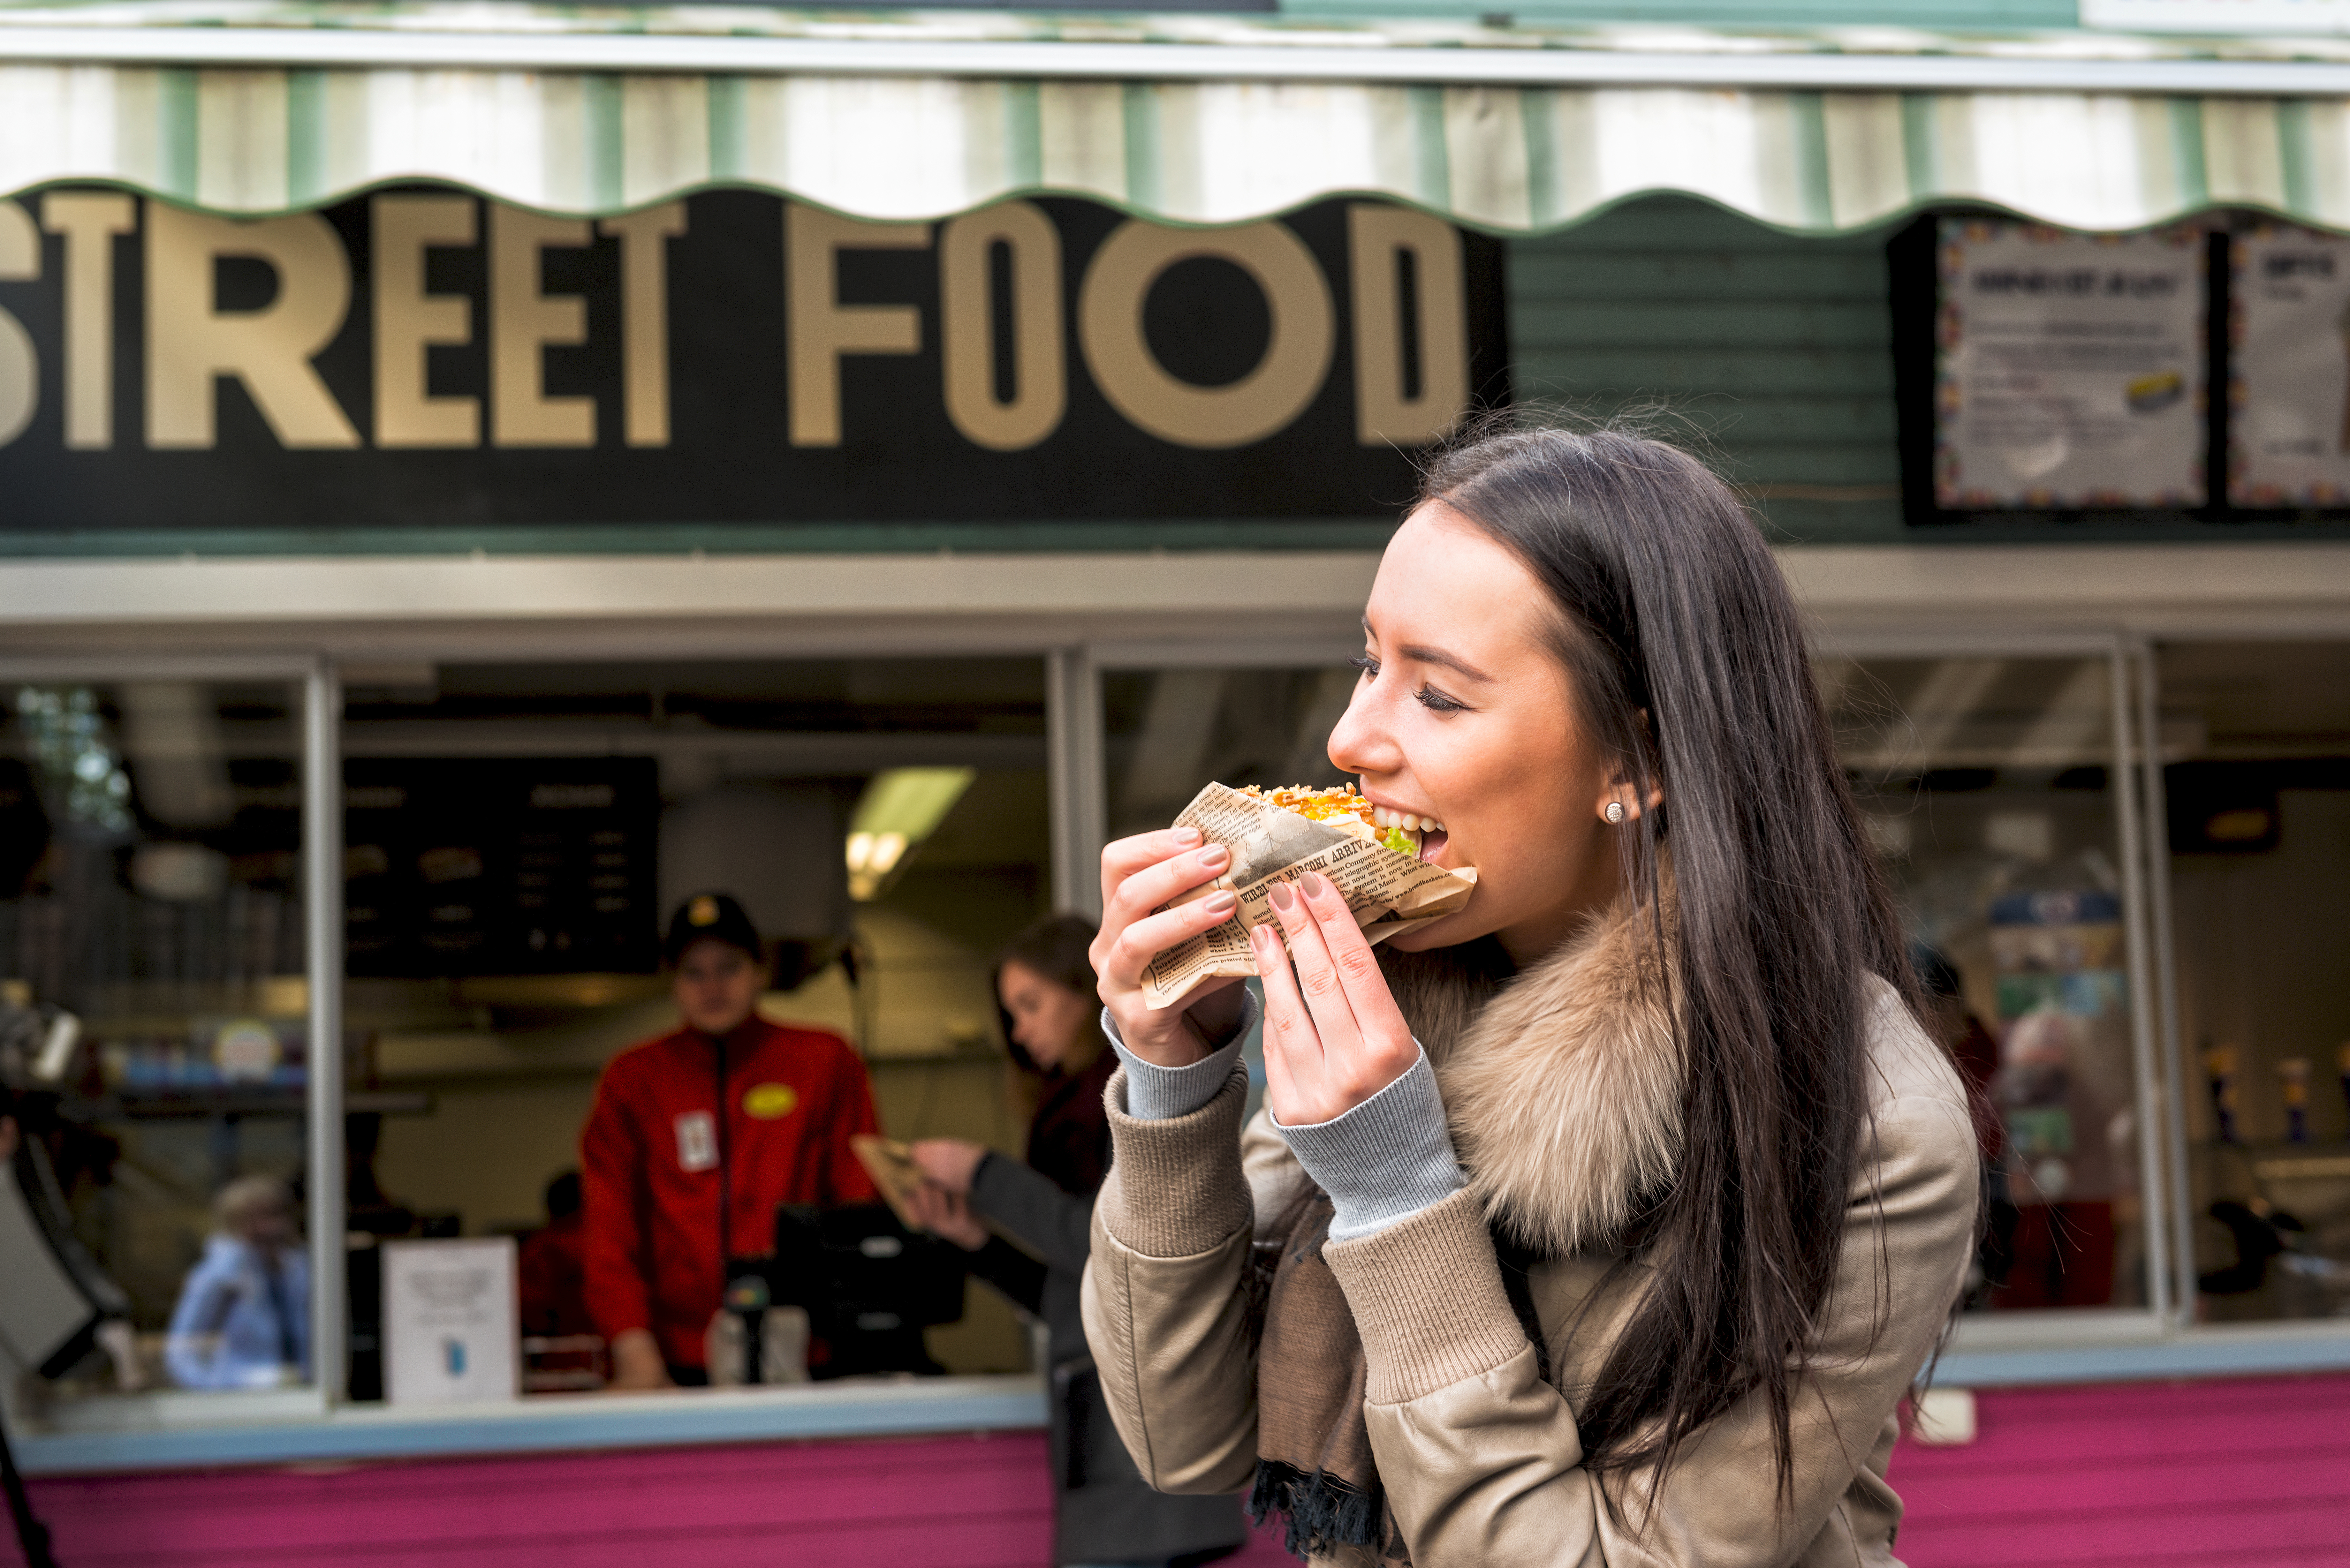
column 496, row 867
column 423, row 359
column 2070, row 369
column 2290, row 370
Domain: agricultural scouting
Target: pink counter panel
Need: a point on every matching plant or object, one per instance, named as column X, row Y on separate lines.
column 2248, row 1472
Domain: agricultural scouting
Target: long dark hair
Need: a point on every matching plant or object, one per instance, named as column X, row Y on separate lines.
column 1688, row 660
column 1056, row 947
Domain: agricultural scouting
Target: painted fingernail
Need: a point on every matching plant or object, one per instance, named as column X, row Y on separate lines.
column 1222, row 904
column 1281, row 896
column 1214, row 855
column 1311, row 884
column 1186, row 836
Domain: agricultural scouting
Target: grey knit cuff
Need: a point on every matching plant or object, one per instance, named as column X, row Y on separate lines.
column 1156, row 1093
column 1389, row 1156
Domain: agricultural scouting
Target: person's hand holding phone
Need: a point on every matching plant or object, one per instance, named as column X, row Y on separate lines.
column 1141, row 875
column 950, row 1163
column 948, row 1215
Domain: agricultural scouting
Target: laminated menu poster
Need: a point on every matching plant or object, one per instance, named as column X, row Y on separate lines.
column 2290, row 387
column 2070, row 369
column 450, row 1322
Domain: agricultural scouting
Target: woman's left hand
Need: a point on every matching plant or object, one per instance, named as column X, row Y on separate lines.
column 1333, row 1034
column 952, row 1162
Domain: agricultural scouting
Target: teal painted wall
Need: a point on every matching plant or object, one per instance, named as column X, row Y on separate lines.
column 1772, row 352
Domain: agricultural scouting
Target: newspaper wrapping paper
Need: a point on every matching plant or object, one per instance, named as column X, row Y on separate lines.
column 1387, row 892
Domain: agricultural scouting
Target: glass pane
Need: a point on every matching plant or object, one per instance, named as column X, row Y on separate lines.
column 518, row 838
column 1166, row 732
column 1986, row 785
column 2258, row 741
column 151, row 837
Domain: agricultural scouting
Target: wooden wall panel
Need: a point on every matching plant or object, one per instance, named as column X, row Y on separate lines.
column 1776, row 351
column 2244, row 1473
column 981, row 1502
column 2240, row 1472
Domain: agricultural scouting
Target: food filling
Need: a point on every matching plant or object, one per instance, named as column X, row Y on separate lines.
column 1342, row 808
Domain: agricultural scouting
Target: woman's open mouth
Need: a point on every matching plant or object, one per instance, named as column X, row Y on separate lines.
column 1430, row 832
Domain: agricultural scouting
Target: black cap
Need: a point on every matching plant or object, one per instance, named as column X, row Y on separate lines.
column 712, row 917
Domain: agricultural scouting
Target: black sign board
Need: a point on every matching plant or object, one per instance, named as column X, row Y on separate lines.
column 474, row 867
column 421, row 358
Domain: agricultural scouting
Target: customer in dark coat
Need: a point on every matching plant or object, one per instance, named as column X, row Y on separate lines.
column 1045, row 996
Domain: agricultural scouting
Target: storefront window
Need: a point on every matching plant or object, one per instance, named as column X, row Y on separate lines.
column 2258, row 736
column 1987, row 786
column 154, row 1033
column 516, row 838
column 1166, row 732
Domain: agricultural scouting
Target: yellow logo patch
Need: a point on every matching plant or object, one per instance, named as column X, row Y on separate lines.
column 767, row 1102
column 703, row 911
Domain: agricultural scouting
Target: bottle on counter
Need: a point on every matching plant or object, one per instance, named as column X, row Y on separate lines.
column 2292, row 1084
column 2220, row 1066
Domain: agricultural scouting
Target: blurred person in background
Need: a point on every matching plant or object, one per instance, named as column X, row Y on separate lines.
column 697, row 1136
column 1948, row 1018
column 243, row 1316
column 1050, row 1016
column 553, row 1272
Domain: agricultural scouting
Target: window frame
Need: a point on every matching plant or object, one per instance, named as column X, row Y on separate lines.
column 1074, row 733
column 322, row 954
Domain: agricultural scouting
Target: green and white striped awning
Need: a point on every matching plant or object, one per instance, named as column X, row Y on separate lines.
column 1195, row 120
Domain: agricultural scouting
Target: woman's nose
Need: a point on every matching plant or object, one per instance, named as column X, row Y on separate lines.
column 1360, row 744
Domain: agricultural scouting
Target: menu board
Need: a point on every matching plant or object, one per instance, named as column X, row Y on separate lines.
column 473, row 866
column 2070, row 369
column 2290, row 383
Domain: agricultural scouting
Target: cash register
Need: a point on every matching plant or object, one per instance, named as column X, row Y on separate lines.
column 869, row 1286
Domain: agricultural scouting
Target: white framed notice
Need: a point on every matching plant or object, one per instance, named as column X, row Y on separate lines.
column 451, row 1325
column 2289, row 434
column 2070, row 369
column 2307, row 17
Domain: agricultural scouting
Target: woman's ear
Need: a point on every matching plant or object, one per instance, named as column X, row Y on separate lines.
column 1621, row 801
column 1622, row 805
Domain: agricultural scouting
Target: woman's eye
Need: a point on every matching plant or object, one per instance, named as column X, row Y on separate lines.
column 1435, row 701
column 1367, row 664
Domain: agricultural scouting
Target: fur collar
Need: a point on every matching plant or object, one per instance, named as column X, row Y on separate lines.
column 1564, row 1089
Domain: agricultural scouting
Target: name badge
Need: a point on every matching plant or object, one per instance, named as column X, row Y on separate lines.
column 697, row 1141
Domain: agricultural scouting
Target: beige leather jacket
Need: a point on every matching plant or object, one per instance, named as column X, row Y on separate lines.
column 1480, row 1457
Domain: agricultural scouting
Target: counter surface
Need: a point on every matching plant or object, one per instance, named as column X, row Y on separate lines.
column 542, row 1424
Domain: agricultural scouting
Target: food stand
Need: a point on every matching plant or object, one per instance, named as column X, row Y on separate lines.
column 774, row 402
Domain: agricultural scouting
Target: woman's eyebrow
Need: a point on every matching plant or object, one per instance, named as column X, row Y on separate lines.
column 1427, row 655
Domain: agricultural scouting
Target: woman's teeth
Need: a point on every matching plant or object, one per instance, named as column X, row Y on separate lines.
column 1405, row 820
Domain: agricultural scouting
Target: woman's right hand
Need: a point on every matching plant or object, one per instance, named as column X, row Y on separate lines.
column 637, row 1362
column 1138, row 874
column 946, row 1214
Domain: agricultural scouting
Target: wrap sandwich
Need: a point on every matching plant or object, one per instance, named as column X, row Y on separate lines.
column 1279, row 834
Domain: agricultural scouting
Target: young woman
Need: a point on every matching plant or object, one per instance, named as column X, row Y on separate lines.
column 1608, row 1220
column 1107, row 1513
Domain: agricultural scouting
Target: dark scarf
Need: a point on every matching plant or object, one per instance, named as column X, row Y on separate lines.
column 1068, row 1138
column 1315, row 1465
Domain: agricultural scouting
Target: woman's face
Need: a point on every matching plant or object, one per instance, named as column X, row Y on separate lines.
column 1047, row 1018
column 1465, row 717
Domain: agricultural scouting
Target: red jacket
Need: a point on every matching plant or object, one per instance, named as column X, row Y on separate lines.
column 654, row 1150
column 552, row 1277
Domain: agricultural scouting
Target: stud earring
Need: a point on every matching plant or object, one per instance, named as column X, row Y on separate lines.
column 1615, row 813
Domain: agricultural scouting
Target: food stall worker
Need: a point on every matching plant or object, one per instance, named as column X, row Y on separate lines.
column 727, row 1116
